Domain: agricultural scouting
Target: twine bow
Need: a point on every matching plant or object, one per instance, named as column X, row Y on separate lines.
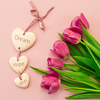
column 39, row 19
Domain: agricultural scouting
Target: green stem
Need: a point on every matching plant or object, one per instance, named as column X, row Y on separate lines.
column 81, row 66
column 80, row 88
column 82, row 42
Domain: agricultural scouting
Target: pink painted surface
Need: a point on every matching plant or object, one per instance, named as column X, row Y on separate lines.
column 15, row 13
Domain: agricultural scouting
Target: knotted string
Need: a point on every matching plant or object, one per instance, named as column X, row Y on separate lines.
column 39, row 19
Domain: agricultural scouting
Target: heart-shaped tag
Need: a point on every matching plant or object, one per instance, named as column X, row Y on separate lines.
column 24, row 82
column 22, row 41
column 19, row 65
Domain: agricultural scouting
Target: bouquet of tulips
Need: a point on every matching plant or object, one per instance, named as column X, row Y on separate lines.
column 84, row 75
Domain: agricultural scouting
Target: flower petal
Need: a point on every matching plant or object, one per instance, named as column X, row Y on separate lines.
column 71, row 36
column 84, row 21
column 61, row 48
column 76, row 29
column 56, row 63
column 56, row 54
column 54, row 87
column 54, row 73
column 45, row 84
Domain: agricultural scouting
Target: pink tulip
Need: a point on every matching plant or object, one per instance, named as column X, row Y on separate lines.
column 56, row 63
column 71, row 36
column 76, row 26
column 61, row 49
column 50, row 83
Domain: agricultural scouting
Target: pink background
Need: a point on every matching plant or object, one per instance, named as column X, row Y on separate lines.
column 15, row 13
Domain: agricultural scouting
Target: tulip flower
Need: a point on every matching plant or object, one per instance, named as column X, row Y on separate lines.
column 61, row 49
column 76, row 23
column 56, row 63
column 50, row 83
column 71, row 36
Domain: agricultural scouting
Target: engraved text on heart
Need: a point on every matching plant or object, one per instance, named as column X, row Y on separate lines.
column 18, row 64
column 23, row 82
column 21, row 39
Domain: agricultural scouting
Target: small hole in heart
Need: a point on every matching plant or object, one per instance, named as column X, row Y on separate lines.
column 18, row 47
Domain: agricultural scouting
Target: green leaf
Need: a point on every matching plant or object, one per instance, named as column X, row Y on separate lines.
column 82, row 66
column 72, row 67
column 86, row 95
column 90, row 38
column 71, row 82
column 39, row 70
column 94, row 59
column 83, row 50
column 81, row 77
column 75, row 90
column 63, row 79
column 81, row 88
column 77, row 69
column 94, row 49
column 87, row 61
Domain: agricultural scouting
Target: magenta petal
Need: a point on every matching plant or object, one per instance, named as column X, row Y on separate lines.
column 75, row 25
column 76, row 29
column 76, row 22
column 70, row 40
column 50, row 83
column 54, row 73
column 57, row 54
column 61, row 48
column 56, row 63
column 50, row 78
column 50, row 62
column 71, row 36
column 54, row 87
column 84, row 21
column 45, row 84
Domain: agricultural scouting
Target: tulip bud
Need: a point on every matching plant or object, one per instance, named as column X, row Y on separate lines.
column 71, row 36
column 50, row 83
column 56, row 63
column 76, row 23
column 61, row 49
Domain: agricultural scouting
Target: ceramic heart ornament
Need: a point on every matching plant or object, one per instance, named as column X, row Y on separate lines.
column 24, row 82
column 19, row 65
column 22, row 41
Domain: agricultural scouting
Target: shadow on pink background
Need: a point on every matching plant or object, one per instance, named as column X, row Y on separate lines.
column 16, row 13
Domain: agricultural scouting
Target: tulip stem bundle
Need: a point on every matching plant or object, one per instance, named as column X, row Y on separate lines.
column 94, row 90
column 84, row 77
